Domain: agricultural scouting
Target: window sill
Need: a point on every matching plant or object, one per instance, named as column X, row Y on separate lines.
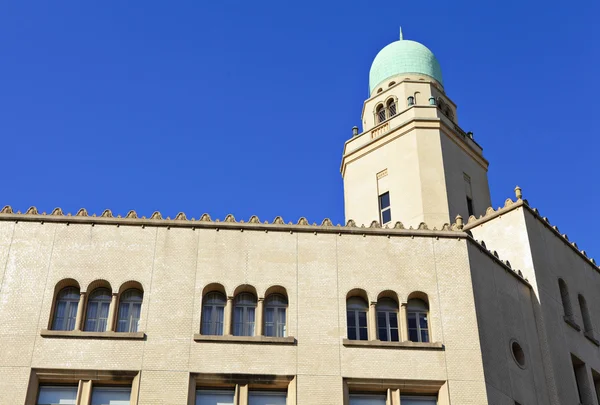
column 91, row 335
column 393, row 345
column 591, row 338
column 572, row 323
column 288, row 340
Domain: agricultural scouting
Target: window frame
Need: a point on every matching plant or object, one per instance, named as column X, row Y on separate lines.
column 213, row 324
column 130, row 305
column 71, row 306
column 91, row 299
column 354, row 307
column 418, row 312
column 387, row 310
column 248, row 328
column 278, row 326
column 387, row 210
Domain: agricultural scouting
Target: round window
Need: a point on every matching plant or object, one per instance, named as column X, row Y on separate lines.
column 518, row 353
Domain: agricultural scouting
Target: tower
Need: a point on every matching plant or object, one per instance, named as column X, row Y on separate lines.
column 412, row 162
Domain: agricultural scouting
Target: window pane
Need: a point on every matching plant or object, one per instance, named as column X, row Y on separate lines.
column 413, row 335
column 364, row 334
column 219, row 320
column 393, row 319
column 123, row 323
column 72, row 314
column 384, row 200
column 351, row 333
column 350, row 318
column 412, row 320
column 368, row 400
column 266, row 398
column 362, row 319
column 57, row 395
column 209, row 397
column 386, row 216
column 136, row 309
column 394, row 335
column 423, row 321
column 382, row 332
column 381, row 320
column 111, row 396
column 418, row 400
column 424, row 336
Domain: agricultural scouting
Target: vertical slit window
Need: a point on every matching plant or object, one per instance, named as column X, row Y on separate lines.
column 469, row 194
column 213, row 313
column 585, row 315
column 385, row 211
column 65, row 312
column 391, row 106
column 380, row 112
column 564, row 296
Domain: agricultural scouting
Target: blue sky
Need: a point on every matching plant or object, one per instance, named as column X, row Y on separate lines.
column 243, row 107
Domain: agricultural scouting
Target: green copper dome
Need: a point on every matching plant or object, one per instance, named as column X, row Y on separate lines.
column 403, row 57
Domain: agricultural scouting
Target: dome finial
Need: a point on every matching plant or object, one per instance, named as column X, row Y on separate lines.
column 401, row 36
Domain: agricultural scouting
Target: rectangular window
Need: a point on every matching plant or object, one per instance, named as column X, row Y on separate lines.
column 50, row 395
column 111, row 395
column 412, row 400
column 583, row 388
column 360, row 399
column 266, row 398
column 214, row 397
column 469, row 194
column 384, row 208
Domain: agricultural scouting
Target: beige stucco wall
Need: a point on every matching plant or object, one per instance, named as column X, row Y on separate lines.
column 174, row 265
column 529, row 243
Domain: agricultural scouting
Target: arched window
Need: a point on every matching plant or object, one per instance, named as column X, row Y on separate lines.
column 356, row 316
column 130, row 306
column 380, row 112
column 97, row 310
column 418, row 326
column 244, row 313
column 387, row 320
column 564, row 296
column 391, row 107
column 587, row 320
column 213, row 313
column 410, row 100
column 275, row 316
column 65, row 310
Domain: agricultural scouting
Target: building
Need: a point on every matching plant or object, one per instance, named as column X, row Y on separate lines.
column 425, row 296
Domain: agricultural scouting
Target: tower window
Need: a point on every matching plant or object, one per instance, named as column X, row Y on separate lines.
column 385, row 211
column 380, row 113
column 469, row 193
column 411, row 101
column 391, row 106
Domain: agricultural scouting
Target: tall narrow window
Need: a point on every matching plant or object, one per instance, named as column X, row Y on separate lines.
column 97, row 310
column 275, row 315
column 581, row 379
column 66, row 309
column 387, row 320
column 410, row 101
column 564, row 296
column 469, row 193
column 244, row 313
column 391, row 106
column 50, row 395
column 418, row 325
column 213, row 310
column 214, row 397
column 356, row 316
column 585, row 315
column 130, row 307
column 111, row 395
column 385, row 211
column 380, row 112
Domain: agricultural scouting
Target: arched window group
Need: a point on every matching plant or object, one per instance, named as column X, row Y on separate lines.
column 244, row 314
column 385, row 111
column 100, row 310
column 392, row 322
